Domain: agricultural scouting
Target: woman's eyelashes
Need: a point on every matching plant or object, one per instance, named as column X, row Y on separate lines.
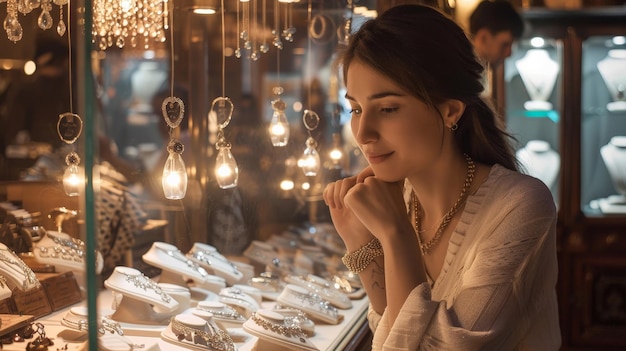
column 358, row 111
column 382, row 110
column 388, row 109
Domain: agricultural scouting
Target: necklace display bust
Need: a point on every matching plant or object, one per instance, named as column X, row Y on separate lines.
column 540, row 161
column 539, row 73
column 613, row 71
column 614, row 157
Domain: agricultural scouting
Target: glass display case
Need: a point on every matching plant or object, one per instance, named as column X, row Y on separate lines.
column 117, row 257
column 533, row 76
column 603, row 125
column 582, row 118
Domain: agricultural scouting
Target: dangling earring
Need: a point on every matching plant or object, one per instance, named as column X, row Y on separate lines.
column 454, row 127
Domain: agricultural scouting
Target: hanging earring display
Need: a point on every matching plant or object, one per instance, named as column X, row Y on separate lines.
column 310, row 160
column 279, row 125
column 289, row 29
column 173, row 110
column 226, row 169
column 264, row 48
column 344, row 34
column 275, row 32
column 69, row 127
column 174, row 179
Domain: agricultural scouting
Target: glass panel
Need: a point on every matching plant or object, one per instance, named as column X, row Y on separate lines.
column 603, row 134
column 533, row 77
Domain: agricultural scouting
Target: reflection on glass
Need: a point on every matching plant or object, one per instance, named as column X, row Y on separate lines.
column 533, row 106
column 603, row 130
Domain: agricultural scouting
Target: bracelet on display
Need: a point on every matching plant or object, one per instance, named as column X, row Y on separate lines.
column 221, row 311
column 290, row 331
column 330, row 294
column 358, row 260
column 313, row 305
column 270, row 327
column 215, row 339
column 296, row 318
column 267, row 282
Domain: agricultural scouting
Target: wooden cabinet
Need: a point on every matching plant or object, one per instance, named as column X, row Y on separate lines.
column 578, row 118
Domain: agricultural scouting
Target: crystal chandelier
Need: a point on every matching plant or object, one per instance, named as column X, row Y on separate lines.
column 129, row 22
column 15, row 8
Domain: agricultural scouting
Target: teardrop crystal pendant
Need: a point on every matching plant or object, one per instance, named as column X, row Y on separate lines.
column 61, row 28
column 310, row 160
column 279, row 125
column 45, row 20
column 174, row 179
column 13, row 28
column 226, row 169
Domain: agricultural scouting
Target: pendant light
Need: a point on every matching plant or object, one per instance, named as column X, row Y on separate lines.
column 174, row 178
column 226, row 169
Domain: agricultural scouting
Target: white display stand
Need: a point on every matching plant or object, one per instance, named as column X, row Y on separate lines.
column 613, row 71
column 65, row 253
column 327, row 337
column 540, row 161
column 539, row 73
column 614, row 157
column 177, row 268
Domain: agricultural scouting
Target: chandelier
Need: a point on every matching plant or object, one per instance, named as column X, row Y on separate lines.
column 12, row 25
column 135, row 23
column 129, row 22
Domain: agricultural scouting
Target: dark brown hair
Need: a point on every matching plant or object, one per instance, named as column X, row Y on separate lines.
column 496, row 16
column 430, row 56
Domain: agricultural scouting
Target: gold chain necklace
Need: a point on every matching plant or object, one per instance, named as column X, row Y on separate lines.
column 425, row 247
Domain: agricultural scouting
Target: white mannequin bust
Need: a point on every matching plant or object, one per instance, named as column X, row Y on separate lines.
column 540, row 161
column 612, row 68
column 539, row 73
column 614, row 157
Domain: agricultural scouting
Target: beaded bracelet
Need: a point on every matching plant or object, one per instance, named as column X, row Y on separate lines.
column 358, row 260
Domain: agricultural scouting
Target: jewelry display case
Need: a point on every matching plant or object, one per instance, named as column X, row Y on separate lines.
column 145, row 275
column 583, row 120
column 533, row 75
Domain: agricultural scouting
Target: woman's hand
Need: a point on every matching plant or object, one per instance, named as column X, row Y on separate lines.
column 349, row 227
column 378, row 205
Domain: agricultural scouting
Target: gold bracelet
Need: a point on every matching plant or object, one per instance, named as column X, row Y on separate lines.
column 358, row 260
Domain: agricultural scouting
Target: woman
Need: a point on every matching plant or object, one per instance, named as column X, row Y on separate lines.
column 473, row 264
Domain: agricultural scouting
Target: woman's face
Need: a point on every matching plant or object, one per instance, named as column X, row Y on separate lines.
column 398, row 133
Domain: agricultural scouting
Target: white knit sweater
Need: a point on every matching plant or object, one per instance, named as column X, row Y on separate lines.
column 496, row 290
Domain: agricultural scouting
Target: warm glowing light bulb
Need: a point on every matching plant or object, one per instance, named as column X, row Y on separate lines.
column 279, row 129
column 72, row 180
column 279, row 125
column 226, row 169
column 310, row 160
column 174, row 179
column 335, row 154
column 287, row 184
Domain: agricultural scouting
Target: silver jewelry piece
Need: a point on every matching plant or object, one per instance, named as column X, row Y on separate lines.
column 145, row 283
